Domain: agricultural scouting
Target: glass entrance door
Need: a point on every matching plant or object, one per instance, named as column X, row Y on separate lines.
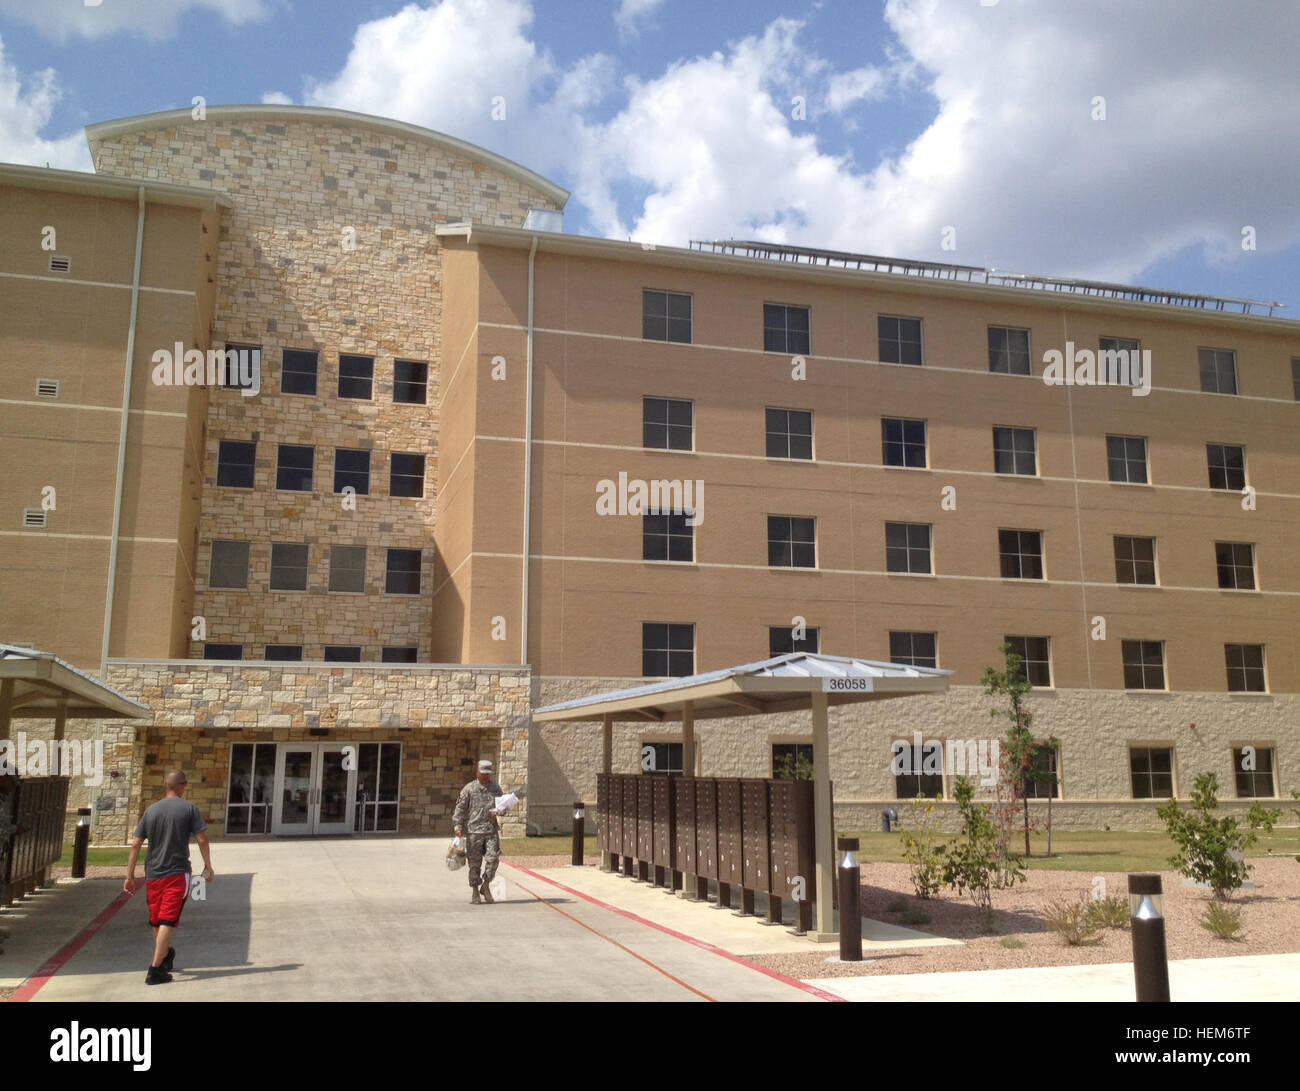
column 314, row 788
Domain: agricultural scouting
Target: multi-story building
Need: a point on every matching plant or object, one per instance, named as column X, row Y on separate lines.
column 319, row 579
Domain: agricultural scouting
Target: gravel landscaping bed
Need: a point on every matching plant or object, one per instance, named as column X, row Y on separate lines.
column 1270, row 916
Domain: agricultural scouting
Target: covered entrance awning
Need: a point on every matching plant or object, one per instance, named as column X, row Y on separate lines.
column 784, row 683
column 36, row 685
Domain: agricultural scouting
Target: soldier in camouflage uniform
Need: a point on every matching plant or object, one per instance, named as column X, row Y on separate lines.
column 476, row 816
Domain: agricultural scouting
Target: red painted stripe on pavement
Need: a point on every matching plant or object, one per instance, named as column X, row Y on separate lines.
column 36, row 982
column 620, row 946
column 702, row 944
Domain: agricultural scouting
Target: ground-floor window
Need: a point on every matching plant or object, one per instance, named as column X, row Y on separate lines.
column 251, row 792
column 1254, row 769
column 663, row 758
column 1042, row 780
column 379, row 785
column 792, row 761
column 1151, row 769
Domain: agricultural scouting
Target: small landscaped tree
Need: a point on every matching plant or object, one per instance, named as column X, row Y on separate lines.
column 1212, row 850
column 973, row 863
column 1019, row 749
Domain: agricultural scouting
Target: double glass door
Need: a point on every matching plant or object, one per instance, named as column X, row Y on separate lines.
column 316, row 788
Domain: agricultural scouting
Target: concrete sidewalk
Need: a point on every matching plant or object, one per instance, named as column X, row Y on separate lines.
column 380, row 919
column 720, row 927
column 1213, row 980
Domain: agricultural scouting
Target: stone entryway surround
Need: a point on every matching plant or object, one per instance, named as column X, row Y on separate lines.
column 446, row 717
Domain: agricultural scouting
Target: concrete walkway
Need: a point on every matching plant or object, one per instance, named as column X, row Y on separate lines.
column 1217, row 980
column 382, row 919
column 723, row 928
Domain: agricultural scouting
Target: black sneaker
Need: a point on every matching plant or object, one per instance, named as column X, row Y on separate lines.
column 157, row 976
column 170, row 961
column 487, row 893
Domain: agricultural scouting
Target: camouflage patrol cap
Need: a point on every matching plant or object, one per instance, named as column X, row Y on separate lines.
column 485, row 766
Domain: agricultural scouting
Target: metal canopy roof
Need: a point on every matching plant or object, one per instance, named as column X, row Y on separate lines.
column 43, row 684
column 783, row 683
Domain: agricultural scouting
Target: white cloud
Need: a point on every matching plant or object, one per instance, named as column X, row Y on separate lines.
column 632, row 12
column 845, row 88
column 25, row 109
column 1198, row 141
column 444, row 67
column 63, row 19
column 277, row 98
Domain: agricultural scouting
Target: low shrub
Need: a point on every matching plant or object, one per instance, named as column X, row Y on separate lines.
column 1011, row 943
column 922, row 848
column 914, row 914
column 1108, row 912
column 1070, row 920
column 1223, row 921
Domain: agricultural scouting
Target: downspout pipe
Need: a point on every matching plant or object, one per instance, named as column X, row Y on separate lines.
column 121, row 438
column 528, row 461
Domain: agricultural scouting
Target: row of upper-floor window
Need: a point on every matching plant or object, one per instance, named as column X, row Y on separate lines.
column 300, row 374
column 667, row 316
column 293, row 653
column 792, row 543
column 668, row 424
column 295, row 469
column 789, row 435
column 290, row 568
column 668, row 651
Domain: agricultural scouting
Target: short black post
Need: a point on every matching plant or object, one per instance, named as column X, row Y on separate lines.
column 81, row 843
column 850, row 902
column 1150, row 960
column 579, row 824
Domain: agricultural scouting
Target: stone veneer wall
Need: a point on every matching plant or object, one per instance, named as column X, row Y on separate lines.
column 1094, row 729
column 114, row 799
column 286, row 281
column 446, row 717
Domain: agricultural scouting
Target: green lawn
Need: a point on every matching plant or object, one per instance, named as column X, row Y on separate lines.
column 550, row 845
column 105, row 856
column 1114, row 850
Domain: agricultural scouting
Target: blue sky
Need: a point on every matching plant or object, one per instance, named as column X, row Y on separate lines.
column 671, row 119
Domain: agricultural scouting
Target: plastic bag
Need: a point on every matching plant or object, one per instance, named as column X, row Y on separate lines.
column 456, row 854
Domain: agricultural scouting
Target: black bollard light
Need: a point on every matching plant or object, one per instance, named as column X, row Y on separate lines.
column 850, row 902
column 579, row 823
column 80, row 843
column 1150, row 960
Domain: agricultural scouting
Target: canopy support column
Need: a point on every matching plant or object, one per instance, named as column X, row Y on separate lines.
column 823, row 818
column 607, row 743
column 60, row 729
column 6, row 706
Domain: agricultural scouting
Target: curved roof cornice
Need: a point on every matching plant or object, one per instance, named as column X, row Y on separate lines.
column 274, row 112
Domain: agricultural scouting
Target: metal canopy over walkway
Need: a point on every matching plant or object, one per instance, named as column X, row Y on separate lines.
column 974, row 274
column 797, row 680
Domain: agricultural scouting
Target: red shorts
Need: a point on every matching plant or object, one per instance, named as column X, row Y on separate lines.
column 167, row 898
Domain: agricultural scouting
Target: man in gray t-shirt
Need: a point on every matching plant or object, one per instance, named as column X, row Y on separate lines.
column 167, row 826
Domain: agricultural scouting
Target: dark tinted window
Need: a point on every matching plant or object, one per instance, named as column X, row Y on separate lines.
column 235, row 464
column 356, row 377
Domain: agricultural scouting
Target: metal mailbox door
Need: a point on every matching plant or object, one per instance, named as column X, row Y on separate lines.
column 663, row 822
column 729, row 835
column 616, row 841
column 602, row 812
column 684, row 825
column 645, row 830
column 754, row 825
column 706, row 827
